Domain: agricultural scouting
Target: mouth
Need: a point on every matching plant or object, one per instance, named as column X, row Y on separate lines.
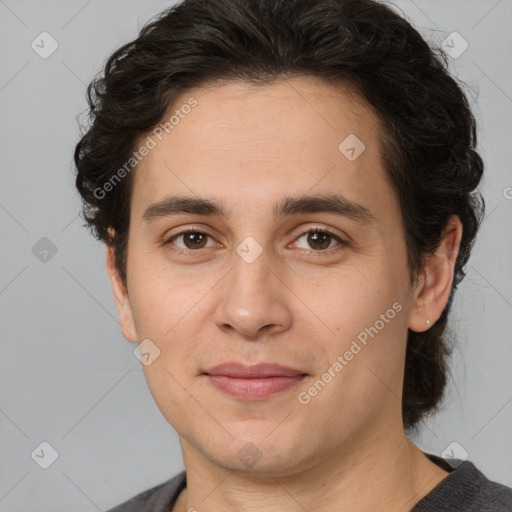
column 253, row 383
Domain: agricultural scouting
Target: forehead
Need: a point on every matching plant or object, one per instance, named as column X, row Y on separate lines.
column 257, row 141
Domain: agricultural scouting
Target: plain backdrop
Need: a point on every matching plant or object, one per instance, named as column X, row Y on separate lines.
column 68, row 377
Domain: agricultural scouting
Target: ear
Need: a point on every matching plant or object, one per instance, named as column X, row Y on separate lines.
column 435, row 283
column 123, row 305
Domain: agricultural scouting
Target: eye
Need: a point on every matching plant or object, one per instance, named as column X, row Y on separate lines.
column 190, row 240
column 318, row 240
column 315, row 239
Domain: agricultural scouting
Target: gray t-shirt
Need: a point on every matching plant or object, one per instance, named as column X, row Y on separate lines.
column 465, row 489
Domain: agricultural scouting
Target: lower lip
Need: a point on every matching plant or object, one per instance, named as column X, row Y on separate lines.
column 253, row 389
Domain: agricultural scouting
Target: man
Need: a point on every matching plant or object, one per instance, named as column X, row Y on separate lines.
column 287, row 194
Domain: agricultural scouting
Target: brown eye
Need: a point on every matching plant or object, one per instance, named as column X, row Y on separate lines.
column 190, row 240
column 317, row 240
column 194, row 240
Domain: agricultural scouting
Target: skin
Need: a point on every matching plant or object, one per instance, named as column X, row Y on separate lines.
column 249, row 147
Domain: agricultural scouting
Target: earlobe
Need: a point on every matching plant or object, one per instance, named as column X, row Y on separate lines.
column 121, row 298
column 435, row 284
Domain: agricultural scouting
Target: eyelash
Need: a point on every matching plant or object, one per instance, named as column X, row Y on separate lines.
column 319, row 230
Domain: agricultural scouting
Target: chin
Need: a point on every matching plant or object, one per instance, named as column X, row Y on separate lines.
column 258, row 456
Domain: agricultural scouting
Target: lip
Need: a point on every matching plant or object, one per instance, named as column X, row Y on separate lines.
column 257, row 382
column 262, row 370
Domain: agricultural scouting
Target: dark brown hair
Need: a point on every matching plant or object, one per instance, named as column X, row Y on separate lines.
column 428, row 144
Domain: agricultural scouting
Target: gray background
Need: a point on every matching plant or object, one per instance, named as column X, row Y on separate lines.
column 68, row 377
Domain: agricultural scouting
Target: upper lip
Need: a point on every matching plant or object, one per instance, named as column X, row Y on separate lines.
column 234, row 369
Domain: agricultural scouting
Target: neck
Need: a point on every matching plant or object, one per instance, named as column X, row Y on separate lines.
column 385, row 474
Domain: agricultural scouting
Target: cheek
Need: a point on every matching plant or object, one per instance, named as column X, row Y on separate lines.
column 364, row 372
column 367, row 318
column 169, row 313
column 162, row 296
column 175, row 397
column 350, row 299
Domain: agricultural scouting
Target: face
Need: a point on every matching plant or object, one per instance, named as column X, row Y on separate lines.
column 262, row 232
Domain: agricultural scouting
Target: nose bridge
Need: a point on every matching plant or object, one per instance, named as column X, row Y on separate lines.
column 251, row 280
column 250, row 298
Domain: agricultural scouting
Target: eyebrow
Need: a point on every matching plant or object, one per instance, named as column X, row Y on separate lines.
column 329, row 203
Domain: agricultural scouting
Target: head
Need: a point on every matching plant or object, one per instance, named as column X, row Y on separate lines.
column 326, row 140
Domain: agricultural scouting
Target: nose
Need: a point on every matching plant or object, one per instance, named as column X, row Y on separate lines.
column 252, row 301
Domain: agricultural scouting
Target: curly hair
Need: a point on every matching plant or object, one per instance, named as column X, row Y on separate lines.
column 428, row 141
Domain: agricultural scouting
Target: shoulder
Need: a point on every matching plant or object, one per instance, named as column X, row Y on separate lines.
column 467, row 488
column 156, row 499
